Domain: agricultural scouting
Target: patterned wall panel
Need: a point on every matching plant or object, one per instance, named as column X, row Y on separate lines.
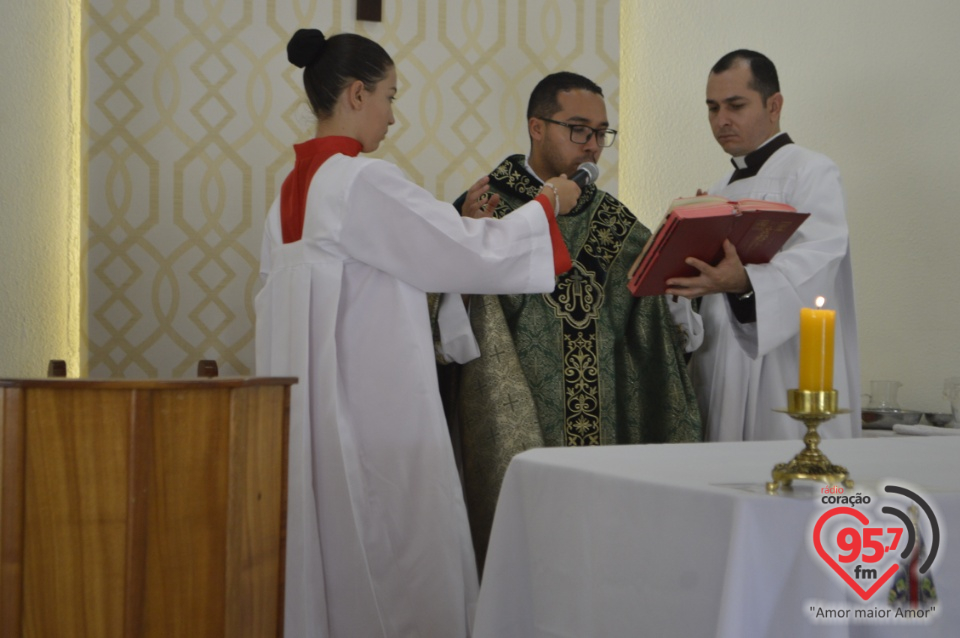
column 189, row 118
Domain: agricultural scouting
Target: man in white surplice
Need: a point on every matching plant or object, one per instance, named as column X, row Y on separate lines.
column 750, row 314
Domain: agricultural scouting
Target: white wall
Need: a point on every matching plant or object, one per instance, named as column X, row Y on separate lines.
column 39, row 222
column 871, row 83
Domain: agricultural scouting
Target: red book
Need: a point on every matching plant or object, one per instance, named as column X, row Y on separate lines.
column 697, row 226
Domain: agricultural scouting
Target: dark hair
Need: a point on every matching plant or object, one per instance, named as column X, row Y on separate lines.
column 543, row 100
column 765, row 80
column 330, row 64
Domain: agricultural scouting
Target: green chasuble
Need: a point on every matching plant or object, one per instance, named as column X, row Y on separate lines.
column 587, row 364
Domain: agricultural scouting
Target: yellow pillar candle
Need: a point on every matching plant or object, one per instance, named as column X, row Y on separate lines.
column 816, row 347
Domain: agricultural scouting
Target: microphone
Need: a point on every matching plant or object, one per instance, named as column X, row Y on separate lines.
column 586, row 174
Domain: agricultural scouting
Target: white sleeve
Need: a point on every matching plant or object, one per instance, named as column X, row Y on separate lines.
column 689, row 321
column 272, row 236
column 394, row 225
column 457, row 342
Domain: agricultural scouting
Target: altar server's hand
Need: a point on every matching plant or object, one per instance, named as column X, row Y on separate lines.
column 568, row 192
column 727, row 276
column 480, row 202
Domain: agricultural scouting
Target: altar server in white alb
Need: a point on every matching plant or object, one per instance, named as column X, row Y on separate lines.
column 751, row 314
column 378, row 543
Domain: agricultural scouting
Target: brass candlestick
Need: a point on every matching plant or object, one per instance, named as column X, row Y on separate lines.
column 813, row 408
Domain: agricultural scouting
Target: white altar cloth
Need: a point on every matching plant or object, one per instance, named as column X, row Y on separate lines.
column 681, row 540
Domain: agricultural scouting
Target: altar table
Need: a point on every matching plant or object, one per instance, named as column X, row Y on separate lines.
column 682, row 540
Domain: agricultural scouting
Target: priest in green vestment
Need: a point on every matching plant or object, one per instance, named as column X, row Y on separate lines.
column 587, row 364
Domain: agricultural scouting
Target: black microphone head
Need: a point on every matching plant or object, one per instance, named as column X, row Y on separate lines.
column 586, row 174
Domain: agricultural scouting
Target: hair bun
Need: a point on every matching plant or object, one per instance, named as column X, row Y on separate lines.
column 305, row 47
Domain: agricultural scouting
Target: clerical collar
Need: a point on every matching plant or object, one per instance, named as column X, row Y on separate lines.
column 526, row 165
column 750, row 164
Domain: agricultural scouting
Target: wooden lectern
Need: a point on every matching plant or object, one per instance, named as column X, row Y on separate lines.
column 143, row 508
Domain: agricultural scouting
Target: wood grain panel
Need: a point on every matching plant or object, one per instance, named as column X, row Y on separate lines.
column 256, row 512
column 75, row 511
column 186, row 516
column 143, row 509
column 11, row 511
column 140, row 456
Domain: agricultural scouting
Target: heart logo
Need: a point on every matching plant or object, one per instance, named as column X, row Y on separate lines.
column 865, row 594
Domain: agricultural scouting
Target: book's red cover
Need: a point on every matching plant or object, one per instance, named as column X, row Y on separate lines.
column 756, row 228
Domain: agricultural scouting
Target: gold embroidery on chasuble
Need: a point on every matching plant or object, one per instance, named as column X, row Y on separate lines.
column 516, row 179
column 577, row 298
column 577, row 301
column 594, row 241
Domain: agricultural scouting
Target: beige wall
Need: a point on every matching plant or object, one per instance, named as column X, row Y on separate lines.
column 39, row 221
column 867, row 82
column 871, row 83
column 192, row 110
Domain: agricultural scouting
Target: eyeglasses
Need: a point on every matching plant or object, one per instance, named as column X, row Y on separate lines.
column 580, row 134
